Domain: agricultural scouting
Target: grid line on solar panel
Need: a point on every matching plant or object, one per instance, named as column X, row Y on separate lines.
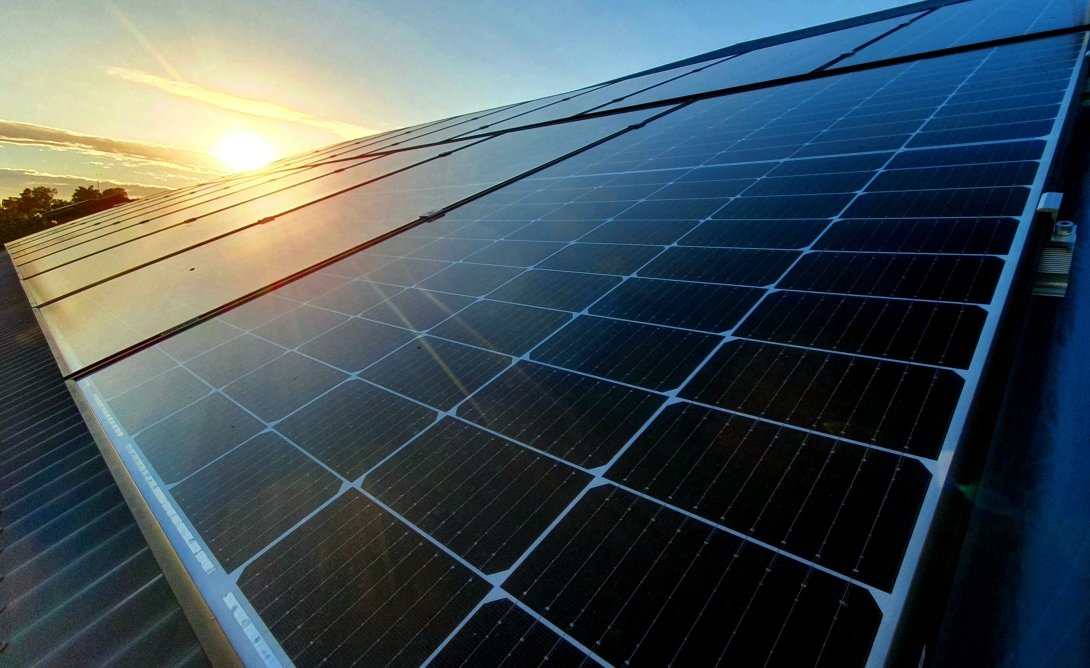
column 235, row 453
column 353, row 573
column 578, row 418
column 588, row 570
column 147, row 243
column 183, row 215
column 500, row 633
column 503, row 157
column 941, row 334
column 250, row 496
column 835, row 398
column 482, row 496
column 890, row 404
column 208, row 427
column 775, row 484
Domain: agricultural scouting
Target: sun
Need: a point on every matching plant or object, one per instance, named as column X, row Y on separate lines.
column 242, row 152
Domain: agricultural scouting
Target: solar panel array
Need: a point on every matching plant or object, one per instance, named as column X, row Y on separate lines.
column 685, row 396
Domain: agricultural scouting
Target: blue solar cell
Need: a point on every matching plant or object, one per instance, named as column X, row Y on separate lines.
column 678, row 398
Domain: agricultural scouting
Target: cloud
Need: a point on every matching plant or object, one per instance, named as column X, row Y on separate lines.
column 239, row 104
column 184, row 159
column 12, row 182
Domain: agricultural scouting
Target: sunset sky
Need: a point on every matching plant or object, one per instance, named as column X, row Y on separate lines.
column 147, row 94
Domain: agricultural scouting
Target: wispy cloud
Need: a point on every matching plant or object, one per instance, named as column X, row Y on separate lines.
column 239, row 104
column 13, row 132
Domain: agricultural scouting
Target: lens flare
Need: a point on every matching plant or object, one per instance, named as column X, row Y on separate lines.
column 242, row 152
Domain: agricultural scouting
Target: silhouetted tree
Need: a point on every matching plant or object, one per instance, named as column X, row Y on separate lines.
column 29, row 211
column 85, row 194
column 32, row 200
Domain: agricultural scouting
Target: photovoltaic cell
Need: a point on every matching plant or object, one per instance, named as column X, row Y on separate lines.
column 356, row 584
column 291, row 240
column 912, row 331
column 251, row 495
column 150, row 401
column 187, row 440
column 297, row 380
column 709, row 308
column 417, row 310
column 893, row 405
column 504, row 328
column 932, row 277
column 298, row 326
column 356, row 297
column 755, row 234
column 974, row 21
column 781, row 486
column 681, row 398
column 579, row 419
column 720, row 265
column 658, row 358
column 959, row 236
column 501, row 634
column 643, row 584
column 356, row 344
column 436, row 372
column 485, row 498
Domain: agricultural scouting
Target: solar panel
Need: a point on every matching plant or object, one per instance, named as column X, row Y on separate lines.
column 963, row 23
column 769, row 63
column 128, row 244
column 685, row 397
column 92, row 305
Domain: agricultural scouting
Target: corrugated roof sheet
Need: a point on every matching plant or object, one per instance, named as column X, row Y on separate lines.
column 80, row 585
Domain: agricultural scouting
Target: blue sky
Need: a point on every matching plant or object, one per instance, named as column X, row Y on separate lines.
column 142, row 93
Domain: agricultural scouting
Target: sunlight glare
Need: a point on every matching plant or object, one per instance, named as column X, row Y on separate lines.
column 242, row 152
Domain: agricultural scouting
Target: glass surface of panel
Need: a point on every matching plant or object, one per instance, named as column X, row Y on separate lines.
column 106, row 318
column 974, row 21
column 773, row 62
column 469, row 124
column 127, row 230
column 207, row 197
column 685, row 397
column 576, row 103
column 92, row 262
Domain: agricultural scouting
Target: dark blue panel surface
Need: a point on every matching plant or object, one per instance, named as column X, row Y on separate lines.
column 647, row 585
column 580, row 419
column 501, row 633
column 252, row 495
column 339, row 588
column 484, row 497
column 680, row 398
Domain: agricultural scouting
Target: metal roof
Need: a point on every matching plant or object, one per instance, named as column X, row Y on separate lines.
column 79, row 583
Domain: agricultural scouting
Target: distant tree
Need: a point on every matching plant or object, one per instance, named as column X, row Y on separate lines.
column 32, row 200
column 29, row 211
column 85, row 194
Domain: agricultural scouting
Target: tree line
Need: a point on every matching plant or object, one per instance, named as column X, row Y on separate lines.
column 28, row 212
